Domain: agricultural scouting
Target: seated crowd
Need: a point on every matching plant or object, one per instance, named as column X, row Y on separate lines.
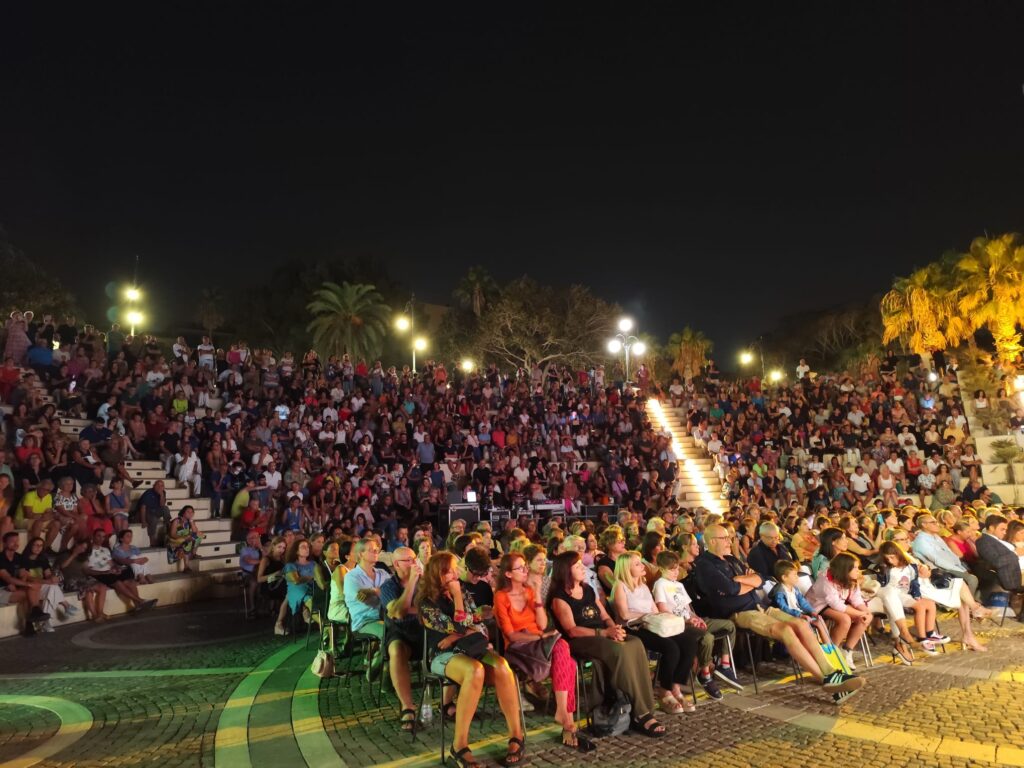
column 337, row 476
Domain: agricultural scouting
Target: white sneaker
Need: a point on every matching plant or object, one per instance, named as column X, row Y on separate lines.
column 46, row 626
column 848, row 655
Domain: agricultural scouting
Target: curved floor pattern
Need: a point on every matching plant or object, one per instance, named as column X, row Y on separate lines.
column 75, row 722
column 273, row 718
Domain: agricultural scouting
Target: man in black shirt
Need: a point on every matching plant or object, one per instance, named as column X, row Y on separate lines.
column 729, row 588
column 768, row 551
column 14, row 586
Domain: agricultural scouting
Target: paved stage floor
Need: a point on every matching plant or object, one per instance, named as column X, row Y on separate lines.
column 199, row 685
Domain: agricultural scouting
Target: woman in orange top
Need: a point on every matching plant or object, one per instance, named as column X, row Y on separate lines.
column 522, row 619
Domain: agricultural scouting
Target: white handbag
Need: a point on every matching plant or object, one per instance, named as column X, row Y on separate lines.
column 664, row 624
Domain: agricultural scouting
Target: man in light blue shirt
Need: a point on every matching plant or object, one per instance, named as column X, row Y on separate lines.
column 362, row 597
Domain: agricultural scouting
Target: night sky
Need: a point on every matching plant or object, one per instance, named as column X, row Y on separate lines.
column 713, row 164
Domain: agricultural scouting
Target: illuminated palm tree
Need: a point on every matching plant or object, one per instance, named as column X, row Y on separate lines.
column 349, row 318
column 691, row 350
column 476, row 289
column 991, row 293
column 917, row 308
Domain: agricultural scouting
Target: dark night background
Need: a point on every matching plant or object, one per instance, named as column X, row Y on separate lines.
column 720, row 165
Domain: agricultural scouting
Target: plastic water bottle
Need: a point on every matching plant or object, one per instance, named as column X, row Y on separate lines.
column 426, row 711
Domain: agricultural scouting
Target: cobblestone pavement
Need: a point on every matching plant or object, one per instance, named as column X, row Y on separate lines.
column 205, row 687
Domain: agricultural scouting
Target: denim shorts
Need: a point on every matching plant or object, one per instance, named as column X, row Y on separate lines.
column 440, row 661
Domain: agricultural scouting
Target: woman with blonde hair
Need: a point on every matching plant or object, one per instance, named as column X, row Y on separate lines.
column 633, row 601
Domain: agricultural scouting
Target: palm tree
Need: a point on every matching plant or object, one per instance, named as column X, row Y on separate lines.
column 916, row 309
column 991, row 293
column 691, row 352
column 476, row 289
column 350, row 318
column 210, row 310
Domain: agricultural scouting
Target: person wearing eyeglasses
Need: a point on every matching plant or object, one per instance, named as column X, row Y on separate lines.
column 728, row 586
column 524, row 623
column 403, row 635
column 929, row 547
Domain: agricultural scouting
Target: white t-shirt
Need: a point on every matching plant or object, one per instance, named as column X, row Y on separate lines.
column 674, row 595
column 860, row 483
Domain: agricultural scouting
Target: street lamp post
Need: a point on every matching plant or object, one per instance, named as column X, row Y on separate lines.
column 747, row 357
column 625, row 342
column 405, row 323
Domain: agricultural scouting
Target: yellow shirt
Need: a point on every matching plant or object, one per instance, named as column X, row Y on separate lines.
column 33, row 505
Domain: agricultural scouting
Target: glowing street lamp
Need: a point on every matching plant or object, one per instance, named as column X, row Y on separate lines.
column 134, row 318
column 775, row 376
column 746, row 357
column 407, row 324
column 132, row 293
column 468, row 365
column 625, row 342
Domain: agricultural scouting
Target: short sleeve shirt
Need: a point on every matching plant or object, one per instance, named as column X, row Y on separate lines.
column 673, row 594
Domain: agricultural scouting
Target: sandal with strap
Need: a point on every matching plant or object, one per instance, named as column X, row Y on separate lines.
column 407, row 719
column 576, row 740
column 648, row 726
column 514, row 756
column 671, row 705
column 463, row 758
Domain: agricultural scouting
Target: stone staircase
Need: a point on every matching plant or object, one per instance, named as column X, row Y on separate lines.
column 1002, row 479
column 698, row 483
column 218, row 563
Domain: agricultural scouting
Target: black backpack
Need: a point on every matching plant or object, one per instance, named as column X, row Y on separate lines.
column 612, row 717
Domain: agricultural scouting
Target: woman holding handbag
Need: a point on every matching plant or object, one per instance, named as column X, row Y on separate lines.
column 464, row 656
column 592, row 634
column 532, row 648
column 633, row 602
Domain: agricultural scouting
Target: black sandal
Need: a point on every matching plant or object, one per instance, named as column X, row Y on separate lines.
column 576, row 740
column 407, row 719
column 643, row 724
column 460, row 758
column 514, row 757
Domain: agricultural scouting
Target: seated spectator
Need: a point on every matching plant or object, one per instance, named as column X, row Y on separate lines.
column 270, row 577
column 404, row 636
column 900, row 581
column 298, row 575
column 153, row 511
column 448, row 617
column 592, row 634
column 127, row 554
column 18, row 588
column 184, row 538
column 632, row 601
column 671, row 597
column 1000, row 554
column 524, row 623
column 362, row 597
column 478, row 581
column 39, row 571
column 835, row 595
column 729, row 588
column 769, row 549
column 91, row 592
column 101, row 566
column 929, row 547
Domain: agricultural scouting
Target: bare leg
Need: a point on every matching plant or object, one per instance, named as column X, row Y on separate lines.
column 468, row 674
column 399, row 666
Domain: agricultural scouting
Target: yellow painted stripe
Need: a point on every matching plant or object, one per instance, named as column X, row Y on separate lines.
column 75, row 722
